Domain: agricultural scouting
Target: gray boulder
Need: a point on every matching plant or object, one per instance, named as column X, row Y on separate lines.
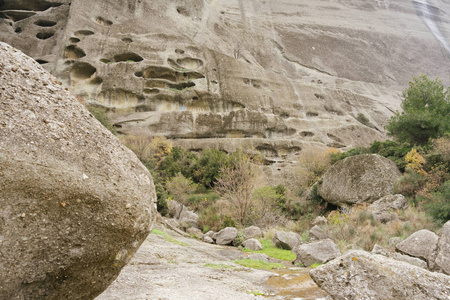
column 75, row 202
column 174, row 209
column 361, row 275
column 377, row 249
column 385, row 209
column 252, row 244
column 316, row 252
column 188, row 218
column 359, row 179
column 197, row 233
column 226, row 236
column 442, row 260
column 286, row 240
column 260, row 256
column 320, row 220
column 252, row 232
column 394, row 241
column 208, row 240
column 317, row 233
column 420, row 244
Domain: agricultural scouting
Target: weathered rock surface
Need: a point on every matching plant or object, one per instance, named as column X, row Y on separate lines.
column 252, row 232
column 76, row 203
column 442, row 260
column 316, row 252
column 359, row 179
column 317, row 233
column 385, row 209
column 420, row 244
column 188, row 217
column 377, row 249
column 197, row 233
column 370, row 276
column 320, row 220
column 226, row 236
column 252, row 244
column 286, row 240
column 275, row 75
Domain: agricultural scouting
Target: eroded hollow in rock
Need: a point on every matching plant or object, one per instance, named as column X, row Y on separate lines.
column 312, row 114
column 128, row 57
column 306, row 133
column 103, row 21
column 159, row 72
column 73, row 52
column 181, row 86
column 41, row 61
column 82, row 70
column 190, row 63
column 127, row 40
column 32, row 5
column 74, row 40
column 45, row 23
column 17, row 15
column 83, row 33
column 45, row 35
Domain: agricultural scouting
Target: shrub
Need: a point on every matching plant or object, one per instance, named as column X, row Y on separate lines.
column 392, row 150
column 150, row 150
column 313, row 164
column 207, row 168
column 415, row 162
column 426, row 112
column 410, row 183
column 180, row 187
column 178, row 161
column 337, row 156
column 361, row 118
column 100, row 114
column 209, row 219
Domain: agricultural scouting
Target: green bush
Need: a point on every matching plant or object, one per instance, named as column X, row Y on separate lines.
column 178, row 161
column 426, row 112
column 337, row 156
column 437, row 205
column 228, row 221
column 209, row 219
column 207, row 167
column 410, row 183
column 392, row 150
column 361, row 118
column 100, row 114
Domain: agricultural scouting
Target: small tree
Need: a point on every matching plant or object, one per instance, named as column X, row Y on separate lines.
column 236, row 183
column 180, row 187
column 426, row 112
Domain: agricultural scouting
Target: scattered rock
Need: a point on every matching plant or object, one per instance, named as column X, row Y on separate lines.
column 75, row 202
column 188, row 218
column 377, row 249
column 442, row 260
column 226, row 236
column 209, row 234
column 286, row 240
column 317, row 233
column 253, row 244
column 260, row 256
column 195, row 232
column 371, row 276
column 385, row 209
column 172, row 223
column 316, row 252
column 174, row 208
column 252, row 232
column 208, row 240
column 359, row 179
column 319, row 221
column 420, row 244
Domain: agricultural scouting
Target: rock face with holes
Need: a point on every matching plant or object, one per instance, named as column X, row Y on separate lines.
column 75, row 203
column 276, row 76
column 359, row 179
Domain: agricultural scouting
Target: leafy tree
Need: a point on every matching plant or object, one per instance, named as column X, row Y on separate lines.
column 206, row 169
column 426, row 112
column 179, row 161
column 180, row 187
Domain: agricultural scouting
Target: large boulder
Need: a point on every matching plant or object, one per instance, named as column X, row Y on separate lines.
column 377, row 249
column 75, row 203
column 252, row 244
column 361, row 275
column 385, row 209
column 359, row 179
column 420, row 244
column 188, row 218
column 317, row 233
column 252, row 232
column 226, row 236
column 317, row 252
column 442, row 259
column 286, row 240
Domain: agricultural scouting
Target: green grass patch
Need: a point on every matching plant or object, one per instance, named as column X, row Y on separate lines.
column 168, row 237
column 270, row 250
column 315, row 265
column 259, row 264
column 219, row 266
column 256, row 293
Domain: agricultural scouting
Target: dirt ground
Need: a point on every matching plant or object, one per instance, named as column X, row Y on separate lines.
column 196, row 270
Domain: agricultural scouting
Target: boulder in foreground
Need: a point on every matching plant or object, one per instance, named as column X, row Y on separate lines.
column 361, row 275
column 75, row 203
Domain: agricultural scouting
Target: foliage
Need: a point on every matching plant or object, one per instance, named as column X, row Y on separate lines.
column 266, row 206
column 315, row 265
column 361, row 118
column 426, row 112
column 150, row 150
column 392, row 150
column 100, row 114
column 337, row 156
column 415, row 162
column 259, row 264
column 236, row 183
column 178, row 161
column 180, row 187
column 270, row 250
column 207, row 168
column 227, row 222
column 410, row 183
column 168, row 238
column 441, row 147
column 313, row 164
column 209, row 219
column 199, row 202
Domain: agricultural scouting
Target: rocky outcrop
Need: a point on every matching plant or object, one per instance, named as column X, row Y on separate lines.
column 240, row 73
column 286, row 240
column 252, row 232
column 377, row 249
column 76, row 203
column 386, row 208
column 318, row 252
column 420, row 244
column 226, row 236
column 371, row 276
column 441, row 261
column 195, row 232
column 317, row 233
column 359, row 179
column 252, row 244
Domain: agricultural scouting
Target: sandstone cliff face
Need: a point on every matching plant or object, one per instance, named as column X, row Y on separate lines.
column 275, row 75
